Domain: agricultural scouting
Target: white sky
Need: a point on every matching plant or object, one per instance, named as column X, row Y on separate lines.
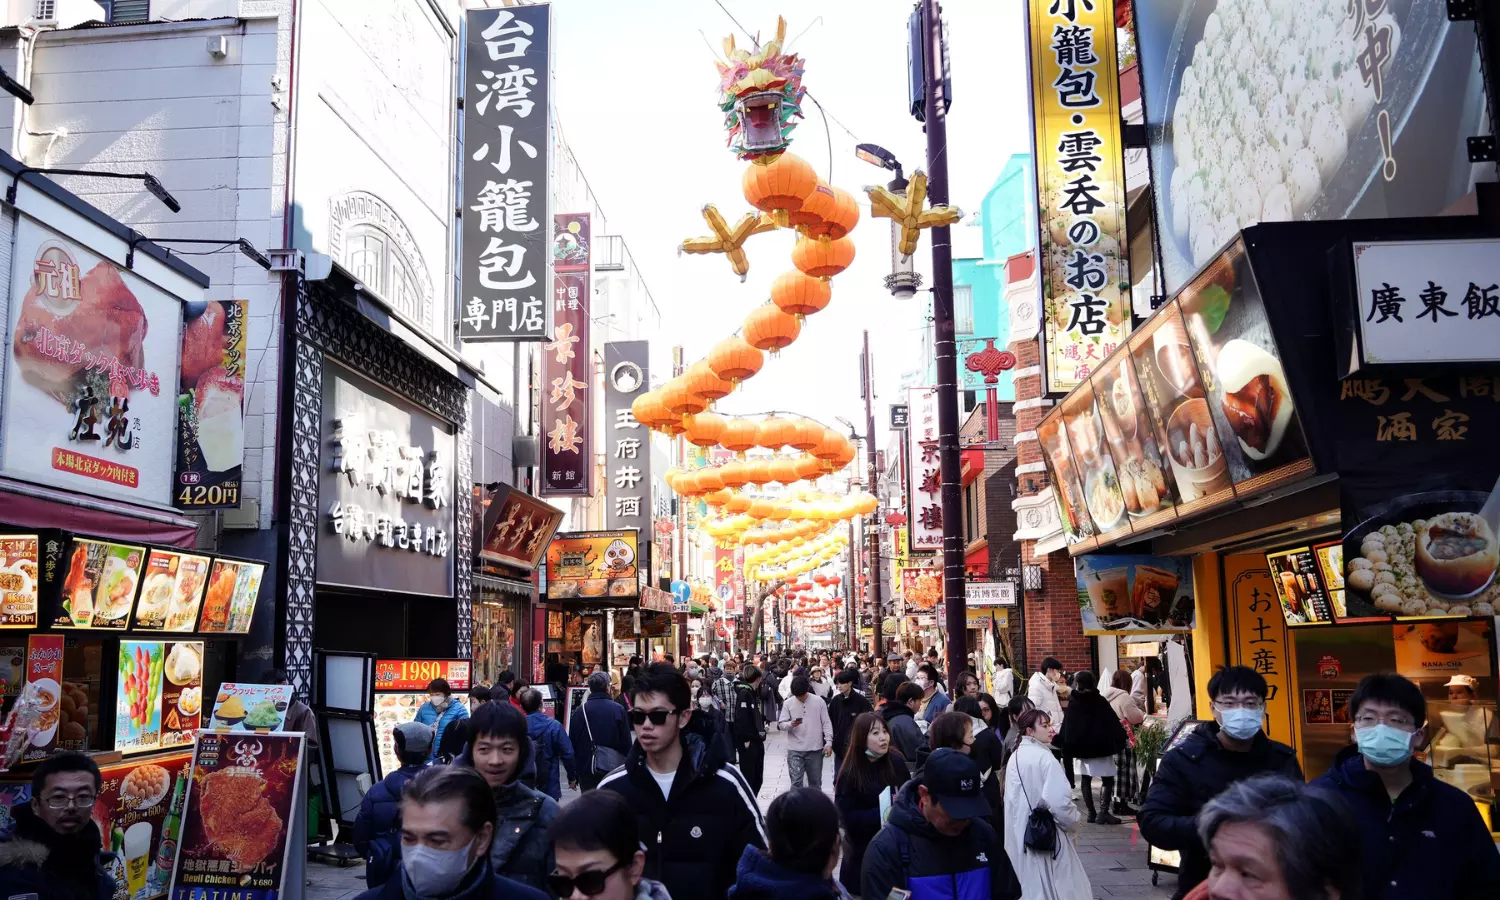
column 636, row 97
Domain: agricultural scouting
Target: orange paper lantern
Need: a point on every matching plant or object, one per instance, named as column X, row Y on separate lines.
column 780, row 186
column 807, row 435
column 759, row 509
column 735, row 360
column 709, row 480
column 823, row 259
column 784, row 471
column 758, row 471
column 681, row 401
column 737, row 503
column 774, row 432
column 701, row 380
column 800, row 294
column 845, row 456
column 809, row 466
column 829, row 448
column 734, row 474
column 686, row 484
column 839, row 216
column 768, row 328
column 816, row 206
column 717, row 498
column 739, row 435
column 704, row 429
column 650, row 411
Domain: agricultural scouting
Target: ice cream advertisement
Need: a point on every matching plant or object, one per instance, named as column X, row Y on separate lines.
column 90, row 366
column 242, row 707
column 1134, row 593
column 211, row 406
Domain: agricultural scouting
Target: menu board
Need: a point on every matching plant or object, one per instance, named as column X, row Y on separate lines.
column 19, row 577
column 1247, row 391
column 593, row 565
column 250, row 708
column 139, row 813
column 1096, row 467
column 100, row 586
column 1330, row 558
column 1077, row 525
column 397, row 709
column 238, row 816
column 1299, row 588
column 171, row 591
column 415, row 674
column 229, row 604
column 1146, row 482
column 44, row 668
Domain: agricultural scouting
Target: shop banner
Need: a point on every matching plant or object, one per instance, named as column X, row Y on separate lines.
column 159, row 698
column 44, row 668
column 656, row 600
column 593, row 565
column 1258, row 638
column 922, row 587
column 624, row 625
column 386, row 484
column 211, row 406
column 567, row 389
column 724, row 572
column 1102, row 493
column 513, row 527
column 507, row 146
column 171, row 591
column 139, row 814
column 900, row 416
column 241, row 708
column 240, row 804
column 985, row 616
column 1130, row 593
column 989, row 593
column 89, row 372
column 1427, row 302
column 20, row 580
column 1078, row 528
column 627, row 445
column 1075, row 115
column 99, row 588
column 1323, row 109
column 924, row 480
column 415, row 674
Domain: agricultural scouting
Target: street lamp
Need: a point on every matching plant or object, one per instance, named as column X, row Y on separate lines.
column 904, row 280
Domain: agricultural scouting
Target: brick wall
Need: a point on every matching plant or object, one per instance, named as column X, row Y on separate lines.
column 1053, row 624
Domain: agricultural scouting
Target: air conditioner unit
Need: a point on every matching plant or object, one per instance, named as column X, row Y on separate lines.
column 53, row 13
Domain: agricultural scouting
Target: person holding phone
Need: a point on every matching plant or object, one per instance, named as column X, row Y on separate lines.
column 809, row 736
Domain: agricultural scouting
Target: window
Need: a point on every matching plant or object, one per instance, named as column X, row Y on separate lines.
column 973, row 512
column 963, row 309
column 118, row 12
column 372, row 256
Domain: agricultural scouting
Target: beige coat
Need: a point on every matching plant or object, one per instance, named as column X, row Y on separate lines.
column 1124, row 705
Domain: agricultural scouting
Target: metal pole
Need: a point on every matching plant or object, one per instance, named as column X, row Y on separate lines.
column 851, row 584
column 867, row 379
column 942, row 323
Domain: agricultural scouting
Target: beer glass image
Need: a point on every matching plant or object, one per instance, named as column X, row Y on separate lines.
column 137, row 857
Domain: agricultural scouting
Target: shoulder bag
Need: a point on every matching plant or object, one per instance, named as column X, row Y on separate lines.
column 602, row 760
column 1041, row 828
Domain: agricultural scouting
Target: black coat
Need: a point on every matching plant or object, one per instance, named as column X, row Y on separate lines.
column 842, row 711
column 910, row 854
column 859, row 812
column 377, row 827
column 1192, row 774
column 695, row 837
column 481, row 884
column 1091, row 730
column 905, row 735
column 610, row 725
column 760, row 878
column 749, row 722
column 37, row 861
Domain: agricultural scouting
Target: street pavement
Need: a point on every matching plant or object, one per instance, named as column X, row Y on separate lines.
column 1113, row 855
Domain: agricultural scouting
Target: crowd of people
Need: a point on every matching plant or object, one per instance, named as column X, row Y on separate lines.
column 936, row 794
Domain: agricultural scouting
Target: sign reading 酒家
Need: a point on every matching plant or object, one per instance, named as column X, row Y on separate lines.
column 1427, row 301
column 627, row 443
column 924, row 480
column 567, row 366
column 505, row 199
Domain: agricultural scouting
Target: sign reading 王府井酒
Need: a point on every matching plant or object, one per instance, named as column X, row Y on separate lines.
column 1426, row 302
column 900, row 416
column 567, row 365
column 924, row 480
column 627, row 443
column 1075, row 112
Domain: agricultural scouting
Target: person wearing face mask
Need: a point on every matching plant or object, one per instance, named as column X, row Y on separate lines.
column 499, row 750
column 1034, row 780
column 1215, row 755
column 447, row 826
column 1421, row 836
column 935, row 701
column 872, row 772
column 440, row 711
column 597, row 842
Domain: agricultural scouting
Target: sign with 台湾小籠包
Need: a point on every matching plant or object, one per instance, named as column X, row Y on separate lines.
column 924, row 481
column 989, row 593
column 506, row 153
column 627, row 443
column 567, row 365
column 1426, row 302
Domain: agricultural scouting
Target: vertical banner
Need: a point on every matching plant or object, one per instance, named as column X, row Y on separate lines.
column 1259, row 639
column 924, row 483
column 44, row 661
column 505, row 195
column 567, row 367
column 1075, row 115
column 211, row 406
column 724, row 577
column 627, row 444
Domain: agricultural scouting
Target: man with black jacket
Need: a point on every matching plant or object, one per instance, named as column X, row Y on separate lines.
column 695, row 809
column 603, row 723
column 1231, row 748
column 845, row 704
column 901, row 701
column 748, row 726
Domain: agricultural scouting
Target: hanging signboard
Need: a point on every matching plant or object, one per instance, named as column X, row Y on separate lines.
column 593, row 565
column 900, row 416
column 1426, row 302
column 627, row 444
column 567, row 388
column 1075, row 114
column 211, row 406
column 514, row 527
column 989, row 593
column 924, row 483
column 506, row 153
column 1122, row 593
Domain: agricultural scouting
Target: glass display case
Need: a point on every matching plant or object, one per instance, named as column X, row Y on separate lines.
column 1464, row 747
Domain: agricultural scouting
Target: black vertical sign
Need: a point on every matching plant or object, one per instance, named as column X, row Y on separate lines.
column 505, row 220
column 626, row 442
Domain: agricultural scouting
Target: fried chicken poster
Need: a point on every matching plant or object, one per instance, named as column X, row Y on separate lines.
column 211, row 406
column 239, row 813
column 90, row 372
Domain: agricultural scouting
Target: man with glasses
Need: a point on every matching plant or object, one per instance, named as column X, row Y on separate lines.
column 56, row 849
column 1215, row 755
column 1421, row 836
column 695, row 810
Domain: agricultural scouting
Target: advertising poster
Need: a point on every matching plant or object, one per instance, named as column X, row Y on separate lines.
column 100, row 585
column 250, row 708
column 1294, row 573
column 1147, row 485
column 415, row 674
column 139, row 813
column 922, row 587
column 593, row 565
column 567, row 399
column 239, row 811
column 1446, row 648
column 514, row 527
column 624, row 624
column 1066, row 487
column 1258, row 638
column 44, row 668
column 1102, row 493
column 211, row 406
column 171, row 591
column 159, row 701
column 1120, row 592
column 181, row 693
column 1330, row 558
column 924, row 488
column 229, row 603
column 20, row 591
column 1321, row 109
column 89, row 372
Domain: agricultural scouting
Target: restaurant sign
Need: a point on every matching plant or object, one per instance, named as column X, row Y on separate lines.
column 211, row 406
column 514, row 526
column 567, row 365
column 627, row 446
column 924, row 479
column 1426, row 302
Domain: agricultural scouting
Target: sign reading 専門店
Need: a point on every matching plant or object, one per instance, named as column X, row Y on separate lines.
column 1080, row 185
column 1427, row 302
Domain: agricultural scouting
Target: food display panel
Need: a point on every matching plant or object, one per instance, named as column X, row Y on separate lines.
column 1146, row 480
column 171, row 591
column 258, row 708
column 1134, row 593
column 397, row 709
column 1066, row 486
column 1299, row 587
column 138, row 699
column 100, row 586
column 593, row 565
column 1331, row 569
column 1102, row 493
column 139, row 813
column 19, row 580
column 229, row 604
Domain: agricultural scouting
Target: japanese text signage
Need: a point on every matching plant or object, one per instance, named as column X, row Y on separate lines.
column 386, row 489
column 924, row 482
column 1259, row 637
column 900, row 416
column 139, row 812
column 1080, row 185
column 591, row 565
column 211, row 406
column 627, row 443
column 89, row 403
column 989, row 593
column 20, row 580
column 1428, row 301
column 415, row 674
column 567, row 366
column 505, row 185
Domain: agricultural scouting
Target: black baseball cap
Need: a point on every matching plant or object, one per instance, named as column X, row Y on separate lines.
column 952, row 778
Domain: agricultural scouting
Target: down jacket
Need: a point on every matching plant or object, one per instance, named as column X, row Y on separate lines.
column 376, row 826
column 37, row 861
column 910, row 854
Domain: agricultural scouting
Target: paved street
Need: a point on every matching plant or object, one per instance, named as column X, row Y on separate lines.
column 1114, row 855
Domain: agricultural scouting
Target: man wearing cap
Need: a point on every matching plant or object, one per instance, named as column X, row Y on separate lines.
column 377, row 828
column 893, row 667
column 937, row 843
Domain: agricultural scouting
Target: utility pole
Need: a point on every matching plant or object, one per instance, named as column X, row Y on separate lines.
column 867, row 382
column 936, row 120
column 851, row 584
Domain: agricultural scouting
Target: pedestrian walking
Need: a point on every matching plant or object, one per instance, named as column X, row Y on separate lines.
column 56, row 851
column 968, row 685
column 723, row 688
column 600, row 724
column 1092, row 735
column 553, row 749
column 935, row 701
column 500, row 750
column 440, row 711
column 749, row 727
column 844, row 707
column 952, row 731
column 864, row 788
column 987, row 750
column 1127, row 779
column 993, row 715
column 597, row 842
column 802, row 831
column 894, row 666
column 377, row 827
column 809, row 734
column 1034, row 781
column 1043, row 692
column 901, row 701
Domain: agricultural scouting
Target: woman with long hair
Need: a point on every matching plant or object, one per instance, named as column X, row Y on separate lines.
column 1034, row 779
column 802, row 847
column 994, row 715
column 1127, row 783
column 872, row 767
column 1092, row 734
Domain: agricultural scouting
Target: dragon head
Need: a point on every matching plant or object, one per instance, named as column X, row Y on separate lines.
column 761, row 95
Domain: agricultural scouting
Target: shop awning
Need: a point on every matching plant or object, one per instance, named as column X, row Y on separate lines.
column 29, row 506
column 505, row 585
column 971, row 465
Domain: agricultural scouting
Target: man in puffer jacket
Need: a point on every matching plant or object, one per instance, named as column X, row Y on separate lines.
column 499, row 750
column 377, row 828
column 936, row 843
column 901, row 701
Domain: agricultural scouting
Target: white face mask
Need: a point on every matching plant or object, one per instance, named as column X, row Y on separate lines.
column 438, row 700
column 922, row 682
column 705, row 702
column 435, row 872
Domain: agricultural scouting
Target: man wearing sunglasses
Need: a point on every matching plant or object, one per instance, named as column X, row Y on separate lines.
column 693, row 808
column 55, row 851
column 597, row 841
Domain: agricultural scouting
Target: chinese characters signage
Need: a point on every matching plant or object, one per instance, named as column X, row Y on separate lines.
column 386, row 490
column 515, row 527
column 924, row 481
column 211, row 407
column 592, row 565
column 1258, row 636
column 89, row 403
column 1080, row 185
column 627, row 443
column 1427, row 301
column 505, row 196
column 900, row 415
column 989, row 593
column 567, row 366
column 415, row 674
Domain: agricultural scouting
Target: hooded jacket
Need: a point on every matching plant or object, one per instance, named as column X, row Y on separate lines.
column 1091, row 729
column 1431, row 842
column 695, row 837
column 747, row 724
column 1042, row 692
column 480, row 884
column 758, row 877
column 905, row 732
column 1192, row 774
column 521, row 850
column 37, row 860
column 910, row 854
column 376, row 826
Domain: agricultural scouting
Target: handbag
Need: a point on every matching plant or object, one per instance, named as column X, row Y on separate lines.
column 602, row 760
column 1041, row 827
column 1129, row 733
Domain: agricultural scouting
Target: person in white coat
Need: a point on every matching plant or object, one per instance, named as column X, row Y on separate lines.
column 1041, row 690
column 1034, row 780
